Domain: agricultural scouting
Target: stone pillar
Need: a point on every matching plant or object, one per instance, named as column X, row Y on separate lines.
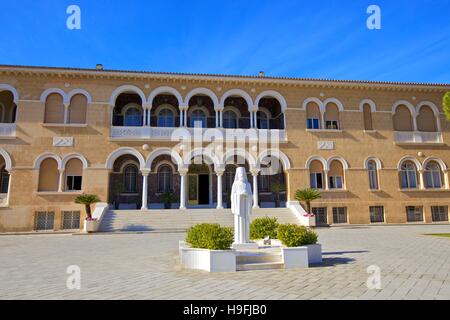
column 145, row 175
column 66, row 113
column 219, row 189
column 221, row 118
column 185, row 118
column 217, row 119
column 255, row 190
column 183, row 185
column 61, row 180
column 421, row 180
column 325, row 177
column 446, row 181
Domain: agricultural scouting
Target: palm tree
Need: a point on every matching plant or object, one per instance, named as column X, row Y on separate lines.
column 277, row 188
column 307, row 196
column 447, row 105
column 87, row 200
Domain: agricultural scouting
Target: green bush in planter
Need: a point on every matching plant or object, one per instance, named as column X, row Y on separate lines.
column 210, row 236
column 296, row 236
column 263, row 227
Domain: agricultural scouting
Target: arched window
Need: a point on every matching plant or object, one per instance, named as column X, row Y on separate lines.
column 48, row 176
column 316, row 175
column 426, row 120
column 372, row 169
column 133, row 117
column 336, row 175
column 313, row 115
column 130, row 173
column 229, row 120
column 332, row 117
column 198, row 117
column 166, row 119
column 263, row 120
column 367, row 114
column 74, row 175
column 4, row 180
column 164, row 179
column 433, row 176
column 408, row 176
column 54, row 109
column 403, row 120
column 77, row 109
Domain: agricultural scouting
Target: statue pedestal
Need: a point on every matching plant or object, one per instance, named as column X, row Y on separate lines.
column 245, row 246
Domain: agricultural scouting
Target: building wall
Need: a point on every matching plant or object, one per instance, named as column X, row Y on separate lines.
column 92, row 141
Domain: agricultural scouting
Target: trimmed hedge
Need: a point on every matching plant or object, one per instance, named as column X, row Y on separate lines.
column 210, row 236
column 263, row 227
column 293, row 235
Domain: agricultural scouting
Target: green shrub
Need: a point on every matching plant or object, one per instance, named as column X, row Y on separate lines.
column 296, row 236
column 263, row 227
column 210, row 236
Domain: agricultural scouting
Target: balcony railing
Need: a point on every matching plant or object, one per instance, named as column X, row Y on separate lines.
column 7, row 130
column 411, row 137
column 207, row 135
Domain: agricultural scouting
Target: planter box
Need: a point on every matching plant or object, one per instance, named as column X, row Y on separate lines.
column 90, row 226
column 208, row 260
column 308, row 221
column 295, row 258
column 314, row 253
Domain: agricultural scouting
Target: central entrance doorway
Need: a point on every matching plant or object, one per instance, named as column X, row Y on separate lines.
column 199, row 189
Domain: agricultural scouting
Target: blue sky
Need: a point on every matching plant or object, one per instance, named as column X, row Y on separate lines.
column 319, row 39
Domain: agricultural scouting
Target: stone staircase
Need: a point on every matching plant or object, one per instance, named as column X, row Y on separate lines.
column 262, row 259
column 180, row 220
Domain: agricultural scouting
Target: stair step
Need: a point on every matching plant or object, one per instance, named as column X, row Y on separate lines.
column 259, row 258
column 260, row 266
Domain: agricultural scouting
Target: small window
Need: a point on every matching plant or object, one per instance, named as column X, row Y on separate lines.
column 340, row 215
column 316, row 180
column 133, row 118
column 73, row 183
column 332, row 125
column 263, row 183
column 336, row 182
column 198, row 119
column 313, row 124
column 321, row 216
column 263, row 121
column 433, row 178
column 166, row 119
column 44, row 221
column 4, row 183
column 229, row 120
column 408, row 176
column 70, row 220
column 373, row 175
column 164, row 179
column 439, row 213
column 414, row 214
column 377, row 214
column 130, row 174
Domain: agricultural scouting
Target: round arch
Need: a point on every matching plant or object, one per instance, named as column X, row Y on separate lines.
column 163, row 152
column 241, row 93
column 205, row 92
column 273, row 94
column 404, row 103
column 83, row 92
column 47, row 155
column 72, row 156
column 373, row 106
column 127, row 89
column 316, row 158
column 240, row 153
column 429, row 104
column 163, row 90
column 8, row 160
column 335, row 101
column 376, row 160
column 50, row 91
column 437, row 160
column 315, row 100
column 7, row 87
column 412, row 159
column 277, row 154
column 124, row 151
column 340, row 159
column 208, row 158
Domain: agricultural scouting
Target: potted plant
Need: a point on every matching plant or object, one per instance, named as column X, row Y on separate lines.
column 87, row 200
column 264, row 231
column 168, row 198
column 307, row 196
column 277, row 188
column 208, row 248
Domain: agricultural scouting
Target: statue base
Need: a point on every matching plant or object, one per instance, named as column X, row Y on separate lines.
column 245, row 246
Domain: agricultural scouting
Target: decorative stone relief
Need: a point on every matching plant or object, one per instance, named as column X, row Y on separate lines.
column 63, row 142
column 325, row 145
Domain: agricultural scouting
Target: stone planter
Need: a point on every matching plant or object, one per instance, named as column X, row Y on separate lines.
column 207, row 260
column 308, row 221
column 314, row 253
column 90, row 226
column 273, row 243
column 295, row 258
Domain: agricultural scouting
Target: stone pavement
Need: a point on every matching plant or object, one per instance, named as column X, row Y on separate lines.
column 144, row 266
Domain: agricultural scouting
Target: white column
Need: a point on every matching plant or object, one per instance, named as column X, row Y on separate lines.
column 255, row 190
column 326, row 180
column 421, row 180
column 217, row 119
column 181, row 118
column 445, row 173
column 221, row 118
column 66, row 113
column 219, row 190
column 145, row 190
column 185, row 118
column 61, row 180
column 183, row 183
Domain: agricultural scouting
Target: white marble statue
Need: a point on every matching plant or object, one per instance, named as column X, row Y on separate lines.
column 241, row 207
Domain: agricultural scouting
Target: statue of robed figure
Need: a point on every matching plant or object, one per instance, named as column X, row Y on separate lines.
column 241, row 207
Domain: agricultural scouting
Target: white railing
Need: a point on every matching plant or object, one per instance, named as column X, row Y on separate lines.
column 418, row 137
column 7, row 130
column 177, row 134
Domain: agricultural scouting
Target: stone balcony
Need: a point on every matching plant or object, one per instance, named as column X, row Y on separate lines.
column 7, row 130
column 204, row 134
column 416, row 137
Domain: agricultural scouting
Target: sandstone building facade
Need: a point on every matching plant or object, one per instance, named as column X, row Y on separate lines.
column 378, row 152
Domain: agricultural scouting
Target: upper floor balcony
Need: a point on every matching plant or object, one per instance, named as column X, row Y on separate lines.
column 417, row 137
column 7, row 130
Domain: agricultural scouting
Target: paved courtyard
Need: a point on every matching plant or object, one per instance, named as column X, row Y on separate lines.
column 144, row 266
